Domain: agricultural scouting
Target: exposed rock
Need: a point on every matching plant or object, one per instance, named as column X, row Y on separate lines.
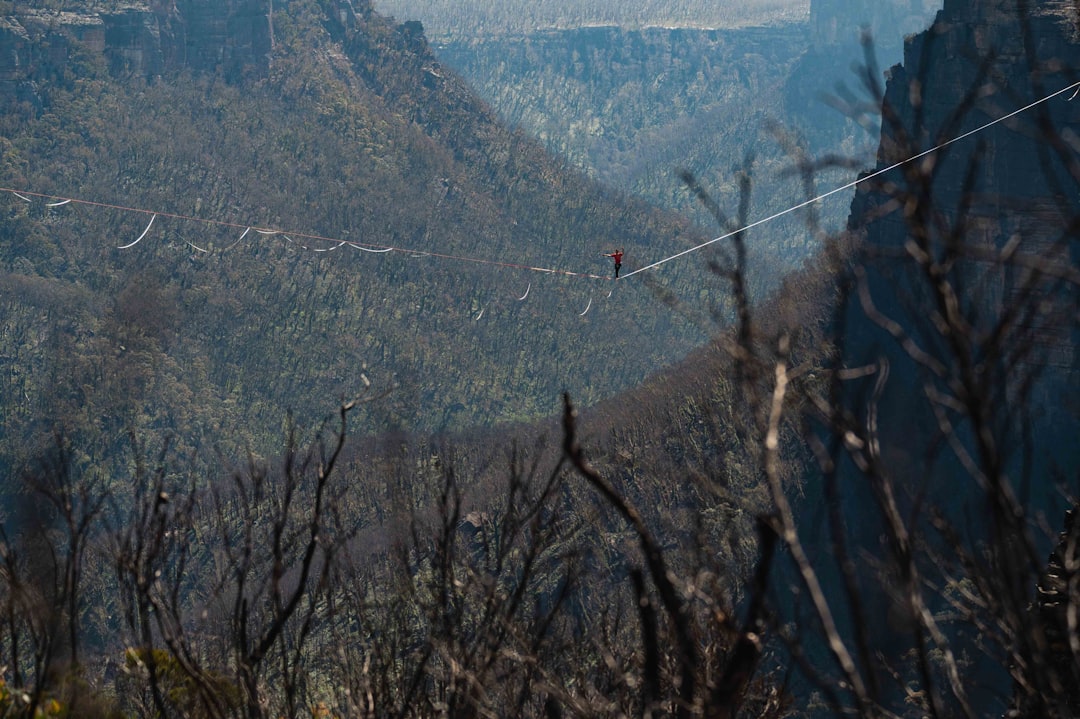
column 228, row 35
column 148, row 38
column 976, row 217
column 14, row 44
column 133, row 42
column 1018, row 190
column 971, row 356
column 1055, row 598
column 343, row 17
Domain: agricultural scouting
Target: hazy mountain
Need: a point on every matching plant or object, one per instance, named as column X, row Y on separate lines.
column 838, row 22
column 635, row 107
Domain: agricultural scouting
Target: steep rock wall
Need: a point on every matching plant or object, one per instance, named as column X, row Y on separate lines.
column 957, row 327
column 958, row 298
column 235, row 37
column 980, row 61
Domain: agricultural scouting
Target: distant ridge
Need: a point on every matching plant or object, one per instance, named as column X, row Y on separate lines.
column 459, row 20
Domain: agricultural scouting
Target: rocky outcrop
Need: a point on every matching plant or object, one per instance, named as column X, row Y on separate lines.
column 139, row 41
column 959, row 290
column 148, row 38
column 1011, row 182
column 960, row 305
column 14, row 44
column 1055, row 600
column 228, row 35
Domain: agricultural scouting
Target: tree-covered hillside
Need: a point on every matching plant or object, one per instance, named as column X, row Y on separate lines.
column 351, row 132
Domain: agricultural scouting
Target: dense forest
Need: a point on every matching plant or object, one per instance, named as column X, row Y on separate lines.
column 253, row 470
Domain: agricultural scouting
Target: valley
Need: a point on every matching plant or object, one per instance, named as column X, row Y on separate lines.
column 318, row 397
column 634, row 107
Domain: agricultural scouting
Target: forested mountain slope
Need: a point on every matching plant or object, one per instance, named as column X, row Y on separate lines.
column 648, row 556
column 339, row 124
column 191, row 196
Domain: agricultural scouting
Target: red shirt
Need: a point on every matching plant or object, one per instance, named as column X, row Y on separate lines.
column 617, row 256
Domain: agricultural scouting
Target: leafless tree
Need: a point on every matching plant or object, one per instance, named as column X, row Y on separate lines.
column 225, row 587
column 43, row 553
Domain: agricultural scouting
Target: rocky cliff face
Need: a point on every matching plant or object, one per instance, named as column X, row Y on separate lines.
column 960, row 293
column 149, row 37
column 961, row 303
column 1013, row 181
column 986, row 209
column 233, row 35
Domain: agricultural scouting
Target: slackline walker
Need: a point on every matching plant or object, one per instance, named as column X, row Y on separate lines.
column 55, row 201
